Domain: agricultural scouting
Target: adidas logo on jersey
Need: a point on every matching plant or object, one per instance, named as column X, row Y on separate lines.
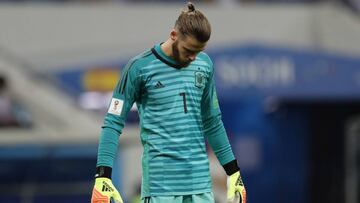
column 159, row 85
column 106, row 187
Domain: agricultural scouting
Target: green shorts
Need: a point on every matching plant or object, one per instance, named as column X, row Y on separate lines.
column 198, row 198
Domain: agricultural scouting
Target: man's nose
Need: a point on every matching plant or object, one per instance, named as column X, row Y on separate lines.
column 192, row 57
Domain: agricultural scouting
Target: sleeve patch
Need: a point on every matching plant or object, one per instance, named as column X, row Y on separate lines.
column 116, row 106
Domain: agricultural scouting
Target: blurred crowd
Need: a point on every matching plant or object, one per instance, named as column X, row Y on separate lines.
column 12, row 112
column 353, row 4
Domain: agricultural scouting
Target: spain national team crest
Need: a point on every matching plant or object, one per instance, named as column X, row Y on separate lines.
column 199, row 79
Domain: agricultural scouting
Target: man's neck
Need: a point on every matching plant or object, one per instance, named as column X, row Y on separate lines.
column 166, row 47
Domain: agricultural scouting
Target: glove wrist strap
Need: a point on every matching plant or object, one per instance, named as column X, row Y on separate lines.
column 231, row 167
column 103, row 172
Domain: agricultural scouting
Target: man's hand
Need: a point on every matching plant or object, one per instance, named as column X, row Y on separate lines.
column 236, row 189
column 104, row 190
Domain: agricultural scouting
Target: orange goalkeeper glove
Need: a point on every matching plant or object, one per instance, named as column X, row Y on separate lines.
column 236, row 192
column 235, row 189
column 104, row 190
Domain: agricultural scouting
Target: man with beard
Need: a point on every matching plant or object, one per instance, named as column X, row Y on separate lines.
column 173, row 87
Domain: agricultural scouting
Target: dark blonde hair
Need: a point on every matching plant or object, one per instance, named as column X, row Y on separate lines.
column 192, row 22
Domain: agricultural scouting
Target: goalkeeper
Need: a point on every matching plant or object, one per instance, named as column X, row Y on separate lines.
column 173, row 87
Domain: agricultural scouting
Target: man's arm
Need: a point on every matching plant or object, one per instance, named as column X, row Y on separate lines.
column 214, row 129
column 216, row 135
column 124, row 96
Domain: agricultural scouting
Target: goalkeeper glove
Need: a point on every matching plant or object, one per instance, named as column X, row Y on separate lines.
column 236, row 189
column 104, row 189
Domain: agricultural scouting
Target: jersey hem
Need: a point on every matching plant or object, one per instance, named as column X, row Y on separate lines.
column 176, row 193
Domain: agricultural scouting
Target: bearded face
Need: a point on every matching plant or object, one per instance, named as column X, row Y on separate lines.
column 185, row 49
column 178, row 57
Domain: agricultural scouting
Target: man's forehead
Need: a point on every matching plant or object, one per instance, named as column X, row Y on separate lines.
column 192, row 43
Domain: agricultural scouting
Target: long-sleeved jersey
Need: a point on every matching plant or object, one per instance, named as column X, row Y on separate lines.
column 178, row 109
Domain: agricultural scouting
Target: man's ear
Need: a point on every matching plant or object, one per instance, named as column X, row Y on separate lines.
column 173, row 35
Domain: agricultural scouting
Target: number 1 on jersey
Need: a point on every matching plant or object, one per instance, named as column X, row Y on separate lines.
column 184, row 100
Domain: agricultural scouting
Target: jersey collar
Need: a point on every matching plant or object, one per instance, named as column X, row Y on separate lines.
column 163, row 57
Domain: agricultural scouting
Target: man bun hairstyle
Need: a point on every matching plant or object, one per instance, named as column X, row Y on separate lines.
column 191, row 7
column 192, row 22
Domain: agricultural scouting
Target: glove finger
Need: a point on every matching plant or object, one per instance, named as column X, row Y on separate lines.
column 231, row 193
column 243, row 196
column 118, row 200
column 97, row 197
column 237, row 198
column 230, row 198
column 117, row 197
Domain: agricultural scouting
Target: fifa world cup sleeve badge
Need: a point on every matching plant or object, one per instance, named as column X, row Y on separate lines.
column 115, row 106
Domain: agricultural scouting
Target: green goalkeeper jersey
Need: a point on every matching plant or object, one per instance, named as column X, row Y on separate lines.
column 178, row 109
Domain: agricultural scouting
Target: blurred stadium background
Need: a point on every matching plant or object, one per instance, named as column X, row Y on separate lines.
column 287, row 74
